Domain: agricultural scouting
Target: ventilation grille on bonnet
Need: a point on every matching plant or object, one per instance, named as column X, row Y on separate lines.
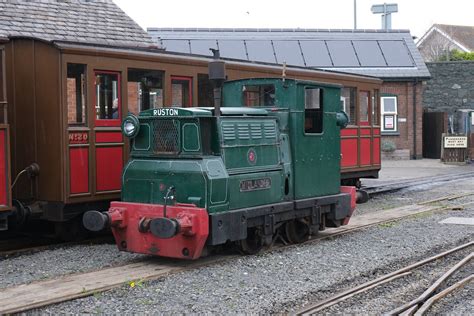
column 165, row 136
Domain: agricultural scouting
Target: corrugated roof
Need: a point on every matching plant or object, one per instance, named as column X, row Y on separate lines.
column 80, row 21
column 385, row 54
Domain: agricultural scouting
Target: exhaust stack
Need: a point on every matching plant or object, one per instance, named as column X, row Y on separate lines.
column 217, row 77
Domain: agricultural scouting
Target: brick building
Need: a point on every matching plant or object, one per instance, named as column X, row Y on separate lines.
column 389, row 55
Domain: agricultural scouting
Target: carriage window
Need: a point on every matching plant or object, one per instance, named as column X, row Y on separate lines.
column 181, row 89
column 364, row 107
column 205, row 91
column 259, row 95
column 348, row 98
column 144, row 89
column 313, row 113
column 375, row 108
column 107, row 105
column 76, row 94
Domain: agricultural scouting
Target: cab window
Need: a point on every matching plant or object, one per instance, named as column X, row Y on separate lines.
column 313, row 113
column 258, row 95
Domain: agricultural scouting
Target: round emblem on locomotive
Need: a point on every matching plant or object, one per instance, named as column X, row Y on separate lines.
column 252, row 156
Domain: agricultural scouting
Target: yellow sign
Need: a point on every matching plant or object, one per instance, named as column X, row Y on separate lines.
column 455, row 142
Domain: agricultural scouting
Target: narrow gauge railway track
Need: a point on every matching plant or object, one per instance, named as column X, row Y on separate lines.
column 59, row 289
column 399, row 185
column 418, row 306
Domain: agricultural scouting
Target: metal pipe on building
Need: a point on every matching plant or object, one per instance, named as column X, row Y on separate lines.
column 415, row 83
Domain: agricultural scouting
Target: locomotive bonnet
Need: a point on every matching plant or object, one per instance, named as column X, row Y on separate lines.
column 268, row 164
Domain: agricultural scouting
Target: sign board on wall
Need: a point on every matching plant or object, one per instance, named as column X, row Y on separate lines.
column 389, row 122
column 455, row 142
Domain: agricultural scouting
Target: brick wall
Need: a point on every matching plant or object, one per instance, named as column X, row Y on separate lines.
column 405, row 139
column 177, row 94
column 132, row 98
column 71, row 100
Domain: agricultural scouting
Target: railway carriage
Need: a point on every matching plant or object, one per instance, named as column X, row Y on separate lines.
column 204, row 176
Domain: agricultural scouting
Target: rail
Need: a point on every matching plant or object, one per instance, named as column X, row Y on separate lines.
column 410, row 307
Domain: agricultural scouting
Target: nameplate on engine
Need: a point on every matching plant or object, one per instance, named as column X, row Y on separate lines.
column 165, row 112
column 255, row 184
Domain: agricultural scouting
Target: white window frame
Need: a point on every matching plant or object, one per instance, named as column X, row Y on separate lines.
column 389, row 115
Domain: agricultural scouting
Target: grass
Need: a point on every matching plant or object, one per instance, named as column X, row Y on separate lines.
column 388, row 224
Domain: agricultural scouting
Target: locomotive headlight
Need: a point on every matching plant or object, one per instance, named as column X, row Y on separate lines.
column 130, row 126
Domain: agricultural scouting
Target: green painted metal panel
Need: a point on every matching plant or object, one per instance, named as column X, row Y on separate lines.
column 191, row 140
column 255, row 188
column 146, row 181
column 316, row 156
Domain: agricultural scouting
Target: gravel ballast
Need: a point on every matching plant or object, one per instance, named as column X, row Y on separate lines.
column 50, row 263
column 285, row 279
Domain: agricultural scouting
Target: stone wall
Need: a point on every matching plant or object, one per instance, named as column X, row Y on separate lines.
column 451, row 87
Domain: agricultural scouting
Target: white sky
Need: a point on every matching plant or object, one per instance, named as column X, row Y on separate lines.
column 415, row 15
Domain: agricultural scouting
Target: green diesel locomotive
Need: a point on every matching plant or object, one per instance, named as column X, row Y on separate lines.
column 266, row 163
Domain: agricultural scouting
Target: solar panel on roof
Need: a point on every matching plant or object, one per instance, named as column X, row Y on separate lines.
column 232, row 49
column 369, row 54
column 202, row 47
column 396, row 53
column 260, row 51
column 179, row 46
column 342, row 54
column 289, row 52
column 315, row 54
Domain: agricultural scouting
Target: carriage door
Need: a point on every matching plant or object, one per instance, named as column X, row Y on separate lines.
column 108, row 136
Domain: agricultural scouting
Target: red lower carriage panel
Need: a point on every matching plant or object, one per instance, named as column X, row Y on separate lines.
column 79, row 170
column 109, row 164
column 143, row 228
column 349, row 152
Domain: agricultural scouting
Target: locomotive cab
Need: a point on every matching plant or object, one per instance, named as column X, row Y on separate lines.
column 196, row 179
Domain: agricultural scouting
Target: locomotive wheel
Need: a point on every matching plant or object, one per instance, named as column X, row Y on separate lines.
column 253, row 244
column 297, row 231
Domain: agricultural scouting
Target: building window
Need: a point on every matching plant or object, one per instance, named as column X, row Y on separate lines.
column 76, row 94
column 348, row 98
column 108, row 103
column 181, row 91
column 313, row 113
column 144, row 89
column 364, row 107
column 389, row 114
column 259, row 95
